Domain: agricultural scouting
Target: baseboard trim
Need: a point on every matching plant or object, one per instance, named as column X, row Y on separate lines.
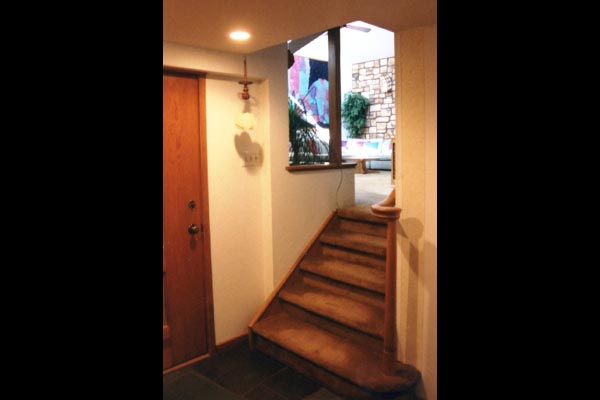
column 185, row 364
column 221, row 347
column 228, row 344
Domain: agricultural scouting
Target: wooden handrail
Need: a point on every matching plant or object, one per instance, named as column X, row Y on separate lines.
column 388, row 211
column 386, row 208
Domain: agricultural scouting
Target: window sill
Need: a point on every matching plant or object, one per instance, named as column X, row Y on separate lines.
column 315, row 167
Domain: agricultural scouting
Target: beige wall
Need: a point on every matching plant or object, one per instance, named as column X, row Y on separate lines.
column 261, row 217
column 235, row 201
column 301, row 202
column 416, row 187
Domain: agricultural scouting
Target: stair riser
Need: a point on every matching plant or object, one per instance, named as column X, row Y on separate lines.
column 368, row 217
column 342, row 289
column 362, row 227
column 351, row 256
column 336, row 328
column 354, row 246
column 350, row 280
column 373, row 326
column 329, row 380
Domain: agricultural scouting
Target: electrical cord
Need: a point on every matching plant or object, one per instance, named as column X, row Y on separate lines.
column 338, row 188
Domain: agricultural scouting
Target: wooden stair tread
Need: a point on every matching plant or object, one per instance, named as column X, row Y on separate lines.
column 357, row 241
column 354, row 314
column 335, row 354
column 347, row 272
column 360, row 213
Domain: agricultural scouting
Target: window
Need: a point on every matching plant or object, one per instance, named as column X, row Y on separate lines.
column 317, row 83
column 313, row 96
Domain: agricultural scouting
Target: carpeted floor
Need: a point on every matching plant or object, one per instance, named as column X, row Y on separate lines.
column 372, row 187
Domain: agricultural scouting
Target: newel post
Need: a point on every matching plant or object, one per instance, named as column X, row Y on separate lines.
column 387, row 211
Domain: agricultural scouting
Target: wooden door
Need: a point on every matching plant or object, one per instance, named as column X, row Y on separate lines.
column 187, row 324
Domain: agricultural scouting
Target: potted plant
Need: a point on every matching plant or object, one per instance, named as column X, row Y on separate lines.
column 306, row 145
column 354, row 113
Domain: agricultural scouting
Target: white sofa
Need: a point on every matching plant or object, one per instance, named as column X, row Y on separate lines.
column 380, row 148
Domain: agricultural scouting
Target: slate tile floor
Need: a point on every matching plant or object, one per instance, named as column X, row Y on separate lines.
column 239, row 373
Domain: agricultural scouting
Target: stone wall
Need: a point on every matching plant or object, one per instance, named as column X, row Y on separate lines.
column 375, row 80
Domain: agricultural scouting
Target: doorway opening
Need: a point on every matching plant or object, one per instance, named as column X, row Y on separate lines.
column 367, row 71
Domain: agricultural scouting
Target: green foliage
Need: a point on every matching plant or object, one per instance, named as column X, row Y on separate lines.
column 354, row 113
column 306, row 145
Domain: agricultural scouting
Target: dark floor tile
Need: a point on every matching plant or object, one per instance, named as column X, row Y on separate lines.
column 291, row 384
column 239, row 369
column 261, row 392
column 170, row 378
column 188, row 385
column 323, row 394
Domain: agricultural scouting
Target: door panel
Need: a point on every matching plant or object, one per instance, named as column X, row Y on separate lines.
column 184, row 322
column 167, row 346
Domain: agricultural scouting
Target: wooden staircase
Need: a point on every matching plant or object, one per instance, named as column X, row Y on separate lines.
column 327, row 319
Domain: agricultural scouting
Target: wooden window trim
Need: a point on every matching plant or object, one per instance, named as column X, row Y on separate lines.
column 335, row 114
column 316, row 167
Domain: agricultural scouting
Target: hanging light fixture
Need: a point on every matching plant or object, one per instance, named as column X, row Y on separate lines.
column 246, row 119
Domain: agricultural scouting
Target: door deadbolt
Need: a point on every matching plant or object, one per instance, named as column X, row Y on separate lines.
column 193, row 229
column 192, row 204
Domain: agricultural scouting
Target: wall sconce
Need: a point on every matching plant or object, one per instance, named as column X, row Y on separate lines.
column 246, row 119
column 245, row 93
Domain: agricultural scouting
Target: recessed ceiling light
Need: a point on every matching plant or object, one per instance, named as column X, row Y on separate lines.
column 239, row 35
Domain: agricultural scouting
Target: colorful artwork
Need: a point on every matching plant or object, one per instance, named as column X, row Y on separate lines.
column 308, row 83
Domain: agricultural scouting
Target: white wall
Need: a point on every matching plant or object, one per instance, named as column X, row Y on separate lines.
column 261, row 217
column 235, row 201
column 301, row 202
column 416, row 194
column 429, row 354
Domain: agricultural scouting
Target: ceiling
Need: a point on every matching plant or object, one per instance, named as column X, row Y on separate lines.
column 207, row 23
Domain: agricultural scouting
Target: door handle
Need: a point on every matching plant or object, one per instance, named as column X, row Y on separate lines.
column 193, row 229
